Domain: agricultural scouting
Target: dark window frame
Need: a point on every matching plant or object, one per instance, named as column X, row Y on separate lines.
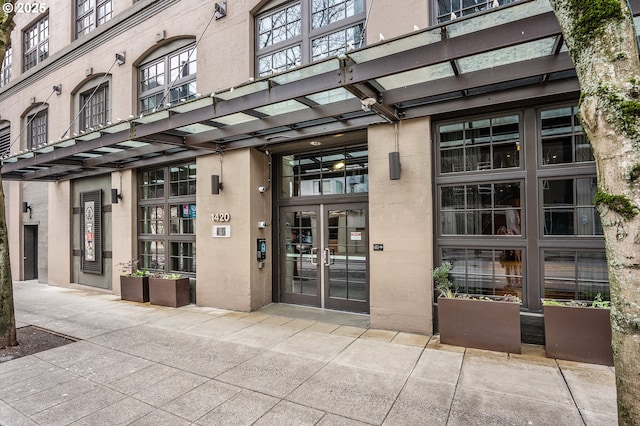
column 158, row 184
column 98, row 13
column 532, row 243
column 35, row 42
column 305, row 39
column 171, row 89
column 35, row 124
column 95, row 107
column 5, row 71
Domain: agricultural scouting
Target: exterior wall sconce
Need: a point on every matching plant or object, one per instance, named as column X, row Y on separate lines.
column 394, row 165
column 121, row 57
column 115, row 196
column 216, row 185
column 220, row 9
column 26, row 208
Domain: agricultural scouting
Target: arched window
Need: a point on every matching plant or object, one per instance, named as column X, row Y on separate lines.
column 36, row 123
column 300, row 32
column 167, row 76
column 92, row 102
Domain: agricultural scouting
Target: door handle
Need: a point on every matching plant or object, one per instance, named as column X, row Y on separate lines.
column 314, row 253
column 326, row 257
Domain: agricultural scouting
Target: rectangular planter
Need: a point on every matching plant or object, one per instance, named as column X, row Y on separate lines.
column 173, row 293
column 481, row 324
column 134, row 288
column 580, row 334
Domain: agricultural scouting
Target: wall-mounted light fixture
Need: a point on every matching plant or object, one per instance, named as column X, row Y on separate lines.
column 26, row 208
column 115, row 196
column 394, row 158
column 220, row 9
column 216, row 185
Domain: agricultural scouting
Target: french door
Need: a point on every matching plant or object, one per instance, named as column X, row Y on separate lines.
column 324, row 256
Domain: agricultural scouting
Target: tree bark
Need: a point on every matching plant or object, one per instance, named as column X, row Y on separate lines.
column 7, row 314
column 602, row 42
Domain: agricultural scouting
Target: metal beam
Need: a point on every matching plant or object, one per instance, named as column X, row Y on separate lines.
column 566, row 88
column 470, row 80
column 309, row 114
column 494, row 38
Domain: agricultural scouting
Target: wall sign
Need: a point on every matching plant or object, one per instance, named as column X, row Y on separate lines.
column 221, row 231
column 89, row 228
column 378, row 247
column 220, row 217
column 91, row 253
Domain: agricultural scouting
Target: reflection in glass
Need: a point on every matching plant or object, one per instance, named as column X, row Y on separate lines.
column 580, row 275
column 183, row 257
column 485, row 144
column 562, row 138
column 347, row 254
column 489, row 209
column 152, row 220
column 152, row 255
column 300, row 244
column 331, row 172
column 482, row 271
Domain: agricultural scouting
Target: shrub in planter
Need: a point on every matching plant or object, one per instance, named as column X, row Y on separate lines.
column 169, row 290
column 578, row 331
column 481, row 322
column 134, row 283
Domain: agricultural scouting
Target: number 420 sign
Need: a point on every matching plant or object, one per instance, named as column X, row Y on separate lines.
column 220, row 217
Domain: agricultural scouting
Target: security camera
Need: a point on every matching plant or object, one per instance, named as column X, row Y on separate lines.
column 367, row 103
column 262, row 189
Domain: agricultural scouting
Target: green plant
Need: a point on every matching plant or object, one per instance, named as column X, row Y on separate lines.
column 169, row 276
column 444, row 285
column 596, row 303
column 599, row 303
column 130, row 268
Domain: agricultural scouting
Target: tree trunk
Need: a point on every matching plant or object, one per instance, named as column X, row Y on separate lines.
column 7, row 315
column 602, row 42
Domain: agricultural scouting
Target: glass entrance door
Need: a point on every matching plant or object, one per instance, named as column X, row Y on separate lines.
column 325, row 256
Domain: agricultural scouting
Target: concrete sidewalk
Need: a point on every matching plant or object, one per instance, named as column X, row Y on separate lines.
column 147, row 365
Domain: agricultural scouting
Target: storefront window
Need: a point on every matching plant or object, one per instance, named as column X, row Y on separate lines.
column 575, row 274
column 175, row 230
column 330, row 172
column 486, row 144
column 492, row 178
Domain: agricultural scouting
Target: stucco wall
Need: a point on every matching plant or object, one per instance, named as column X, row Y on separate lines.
column 60, row 217
column 227, row 269
column 124, row 226
column 400, row 218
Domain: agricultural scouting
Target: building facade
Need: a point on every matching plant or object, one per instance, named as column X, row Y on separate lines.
column 323, row 153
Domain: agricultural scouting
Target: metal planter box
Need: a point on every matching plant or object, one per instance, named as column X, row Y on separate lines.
column 481, row 324
column 580, row 334
column 134, row 288
column 169, row 292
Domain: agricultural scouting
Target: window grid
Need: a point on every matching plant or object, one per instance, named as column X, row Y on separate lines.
column 453, row 9
column 154, row 86
column 96, row 107
column 5, row 140
column 89, row 16
column 301, row 32
column 167, row 209
column 474, row 228
column 5, row 71
column 36, row 43
column 36, row 129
